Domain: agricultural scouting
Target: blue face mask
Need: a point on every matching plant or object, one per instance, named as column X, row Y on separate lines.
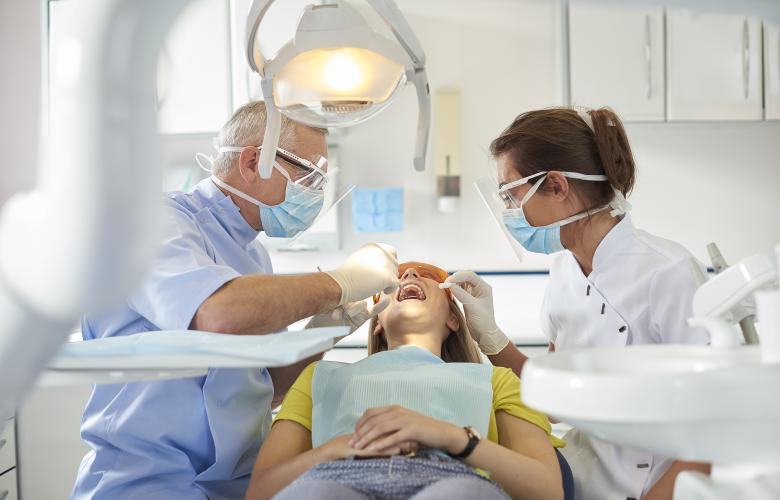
column 547, row 239
column 296, row 213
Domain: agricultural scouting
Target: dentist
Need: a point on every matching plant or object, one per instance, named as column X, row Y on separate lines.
column 563, row 175
column 198, row 438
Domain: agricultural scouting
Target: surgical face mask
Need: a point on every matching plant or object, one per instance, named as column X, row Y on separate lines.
column 296, row 213
column 547, row 239
column 303, row 198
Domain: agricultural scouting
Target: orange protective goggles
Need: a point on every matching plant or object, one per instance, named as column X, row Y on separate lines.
column 424, row 270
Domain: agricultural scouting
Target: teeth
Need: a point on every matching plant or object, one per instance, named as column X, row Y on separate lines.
column 410, row 291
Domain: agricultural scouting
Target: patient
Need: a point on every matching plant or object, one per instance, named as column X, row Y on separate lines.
column 406, row 421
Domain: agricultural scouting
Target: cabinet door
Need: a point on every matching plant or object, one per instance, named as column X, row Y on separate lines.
column 772, row 71
column 8, row 486
column 616, row 56
column 194, row 69
column 714, row 66
column 8, row 447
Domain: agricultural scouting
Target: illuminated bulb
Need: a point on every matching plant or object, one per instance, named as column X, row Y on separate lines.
column 342, row 72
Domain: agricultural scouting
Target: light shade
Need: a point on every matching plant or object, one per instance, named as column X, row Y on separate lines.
column 337, row 87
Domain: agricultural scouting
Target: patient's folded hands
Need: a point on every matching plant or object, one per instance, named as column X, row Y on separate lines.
column 394, row 430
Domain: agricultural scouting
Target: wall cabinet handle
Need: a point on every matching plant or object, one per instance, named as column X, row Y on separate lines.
column 3, row 442
column 746, row 58
column 648, row 58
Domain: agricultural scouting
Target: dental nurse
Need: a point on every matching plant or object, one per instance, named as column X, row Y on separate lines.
column 564, row 175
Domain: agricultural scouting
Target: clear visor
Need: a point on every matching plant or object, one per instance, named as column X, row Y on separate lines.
column 497, row 201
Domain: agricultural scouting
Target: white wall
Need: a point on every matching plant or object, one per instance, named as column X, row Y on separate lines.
column 696, row 182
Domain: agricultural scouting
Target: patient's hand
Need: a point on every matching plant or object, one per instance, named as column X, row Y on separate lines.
column 339, row 447
column 397, row 430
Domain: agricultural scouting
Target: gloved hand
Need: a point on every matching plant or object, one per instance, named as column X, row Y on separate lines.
column 477, row 299
column 373, row 268
column 352, row 315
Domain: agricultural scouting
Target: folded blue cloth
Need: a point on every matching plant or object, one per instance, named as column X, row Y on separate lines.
column 377, row 210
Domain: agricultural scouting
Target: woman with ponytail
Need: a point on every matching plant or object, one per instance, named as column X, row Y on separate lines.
column 564, row 175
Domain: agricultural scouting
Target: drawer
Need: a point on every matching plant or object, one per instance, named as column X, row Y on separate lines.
column 8, row 490
column 7, row 447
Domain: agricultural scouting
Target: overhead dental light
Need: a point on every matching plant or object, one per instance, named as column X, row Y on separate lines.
column 337, row 71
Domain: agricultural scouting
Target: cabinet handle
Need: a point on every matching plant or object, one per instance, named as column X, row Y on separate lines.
column 4, row 494
column 648, row 58
column 3, row 442
column 746, row 58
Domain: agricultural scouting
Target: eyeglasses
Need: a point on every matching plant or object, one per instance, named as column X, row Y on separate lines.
column 424, row 270
column 307, row 174
column 310, row 175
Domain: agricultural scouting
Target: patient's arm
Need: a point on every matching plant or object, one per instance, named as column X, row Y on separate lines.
column 509, row 357
column 524, row 464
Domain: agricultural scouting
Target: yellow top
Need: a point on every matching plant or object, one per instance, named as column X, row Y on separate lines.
column 297, row 404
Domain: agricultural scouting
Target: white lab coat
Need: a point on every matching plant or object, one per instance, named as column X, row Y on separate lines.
column 639, row 292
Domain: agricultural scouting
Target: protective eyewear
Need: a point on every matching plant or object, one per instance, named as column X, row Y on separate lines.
column 511, row 202
column 305, row 173
column 423, row 270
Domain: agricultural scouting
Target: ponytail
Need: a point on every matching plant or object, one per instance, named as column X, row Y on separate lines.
column 614, row 149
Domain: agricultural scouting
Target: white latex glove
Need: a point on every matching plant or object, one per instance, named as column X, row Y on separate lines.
column 372, row 269
column 477, row 299
column 353, row 315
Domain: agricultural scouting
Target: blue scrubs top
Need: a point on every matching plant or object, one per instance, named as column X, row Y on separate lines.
column 191, row 438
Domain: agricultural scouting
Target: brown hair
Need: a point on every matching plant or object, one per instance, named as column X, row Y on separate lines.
column 559, row 139
column 458, row 347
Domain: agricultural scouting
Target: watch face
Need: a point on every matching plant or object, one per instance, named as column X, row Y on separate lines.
column 474, row 432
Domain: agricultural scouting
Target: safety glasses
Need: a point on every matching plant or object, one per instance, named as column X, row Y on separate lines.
column 310, row 175
column 505, row 194
column 304, row 173
column 423, row 270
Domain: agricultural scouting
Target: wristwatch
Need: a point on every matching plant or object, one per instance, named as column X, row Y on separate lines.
column 474, row 439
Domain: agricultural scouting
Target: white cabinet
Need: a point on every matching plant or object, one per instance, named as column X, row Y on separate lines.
column 193, row 84
column 8, row 487
column 616, row 56
column 8, row 447
column 772, row 71
column 713, row 66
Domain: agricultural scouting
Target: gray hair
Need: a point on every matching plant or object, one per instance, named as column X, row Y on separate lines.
column 246, row 128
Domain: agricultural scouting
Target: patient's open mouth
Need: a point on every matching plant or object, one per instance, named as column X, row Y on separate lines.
column 410, row 291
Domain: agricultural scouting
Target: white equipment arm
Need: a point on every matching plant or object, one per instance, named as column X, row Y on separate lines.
column 81, row 238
